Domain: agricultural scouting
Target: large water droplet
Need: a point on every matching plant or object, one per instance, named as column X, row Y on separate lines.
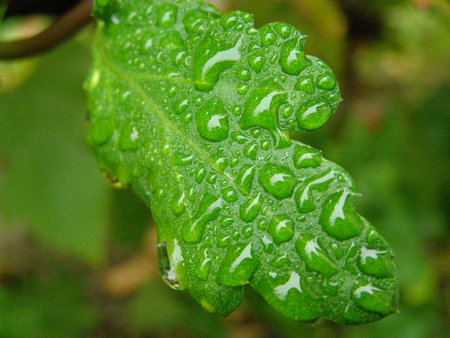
column 256, row 61
column 283, row 29
column 238, row 266
column 212, row 121
column 166, row 15
column 209, row 210
column 129, row 138
column 373, row 299
column 376, row 263
column 165, row 269
column 307, row 157
column 293, row 59
column 268, row 36
column 339, row 218
column 251, row 208
column 245, row 177
column 251, row 150
column 313, row 115
column 102, row 129
column 211, row 60
column 277, row 180
column 304, row 196
column 281, row 228
column 315, row 257
column 261, row 108
column 292, row 284
column 326, row 81
column 200, row 173
column 171, row 40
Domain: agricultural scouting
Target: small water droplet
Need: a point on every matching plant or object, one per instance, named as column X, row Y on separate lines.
column 209, row 210
column 102, row 129
column 251, row 208
column 247, row 231
column 166, row 15
column 283, row 29
column 268, row 36
column 326, row 81
column 242, row 88
column 195, row 21
column 239, row 137
column 280, row 260
column 226, row 222
column 245, row 177
column 212, row 121
column 257, row 61
column 229, row 20
column 229, row 195
column 277, row 180
column 181, row 159
column 251, row 150
column 129, row 138
column 265, row 145
column 243, row 74
column 179, row 203
column 304, row 195
column 313, row 115
column 204, row 265
column 238, row 266
column 262, row 224
column 307, row 157
column 223, row 241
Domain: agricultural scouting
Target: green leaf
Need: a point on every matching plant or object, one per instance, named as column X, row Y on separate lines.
column 193, row 110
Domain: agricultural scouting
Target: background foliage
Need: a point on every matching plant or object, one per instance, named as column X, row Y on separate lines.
column 78, row 259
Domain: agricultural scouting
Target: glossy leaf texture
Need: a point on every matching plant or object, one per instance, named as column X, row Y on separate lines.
column 192, row 109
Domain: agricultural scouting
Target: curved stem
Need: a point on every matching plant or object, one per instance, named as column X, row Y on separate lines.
column 66, row 26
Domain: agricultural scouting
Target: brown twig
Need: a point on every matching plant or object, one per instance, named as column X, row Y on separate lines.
column 66, row 26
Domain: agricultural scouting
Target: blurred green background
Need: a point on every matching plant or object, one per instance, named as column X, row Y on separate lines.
column 78, row 259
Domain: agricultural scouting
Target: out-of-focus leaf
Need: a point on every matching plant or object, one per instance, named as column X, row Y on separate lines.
column 52, row 181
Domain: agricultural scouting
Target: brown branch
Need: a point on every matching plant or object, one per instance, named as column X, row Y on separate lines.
column 66, row 26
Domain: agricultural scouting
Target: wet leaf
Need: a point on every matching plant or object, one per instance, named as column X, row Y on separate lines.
column 193, row 109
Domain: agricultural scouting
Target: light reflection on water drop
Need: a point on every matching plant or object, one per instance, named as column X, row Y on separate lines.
column 165, row 269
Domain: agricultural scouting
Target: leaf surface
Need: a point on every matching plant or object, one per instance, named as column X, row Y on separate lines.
column 193, row 109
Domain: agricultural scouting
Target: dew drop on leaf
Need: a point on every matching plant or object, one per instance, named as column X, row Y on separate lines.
column 238, row 266
column 165, row 269
column 212, row 121
column 277, row 180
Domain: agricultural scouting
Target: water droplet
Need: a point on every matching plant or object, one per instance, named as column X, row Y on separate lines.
column 251, row 150
column 251, row 208
column 257, row 61
column 244, row 74
column 166, row 15
column 200, row 173
column 339, row 218
column 277, row 180
column 223, row 241
column 242, row 88
column 281, row 228
column 265, row 145
column 204, row 266
column 212, row 121
column 262, row 224
column 129, row 138
column 326, row 81
column 238, row 137
column 165, row 148
column 304, row 195
column 307, row 157
column 268, row 36
column 283, row 29
column 313, row 115
column 226, row 222
column 267, row 244
column 315, row 257
column 376, row 263
column 245, row 177
column 229, row 195
column 102, row 128
column 261, row 108
column 247, row 231
column 210, row 61
column 179, row 203
column 238, row 266
column 306, row 84
column 293, row 59
column 209, row 210
column 195, row 21
column 373, row 299
column 181, row 159
column 171, row 40
column 229, row 20
column 166, row 271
